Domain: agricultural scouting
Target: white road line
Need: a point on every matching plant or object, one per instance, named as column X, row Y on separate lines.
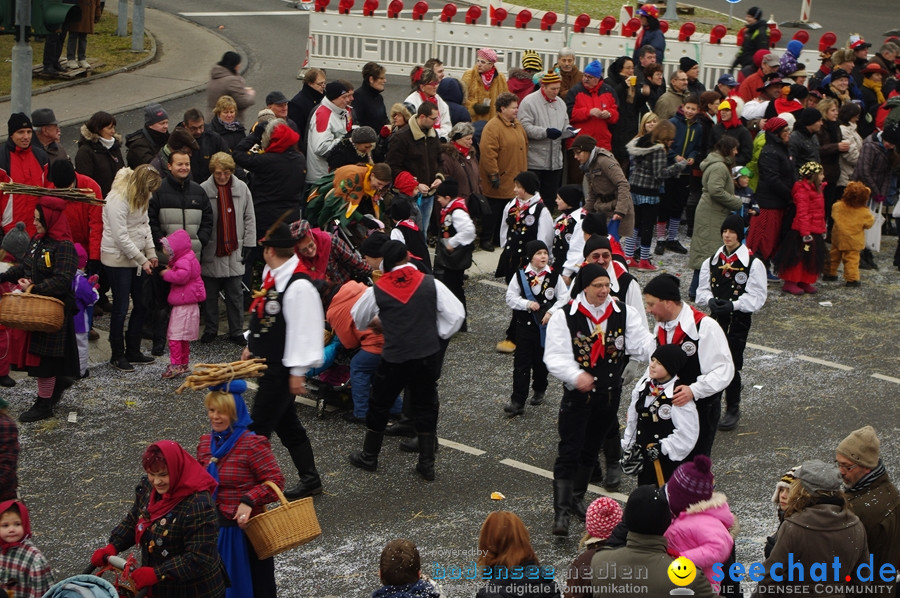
column 886, row 378
column 830, row 364
column 261, row 13
column 764, row 348
column 460, row 447
column 549, row 475
column 493, row 283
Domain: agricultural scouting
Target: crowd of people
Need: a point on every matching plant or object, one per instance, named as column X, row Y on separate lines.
column 317, row 217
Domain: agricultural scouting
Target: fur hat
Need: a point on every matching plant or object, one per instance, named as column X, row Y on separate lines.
column 785, row 482
column 16, row 241
column 531, row 61
column 647, row 511
column 686, row 63
column 154, row 113
column 664, row 287
column 532, row 247
column 573, row 195
column 17, row 122
column 735, row 223
column 363, row 135
column 691, row 483
column 856, row 194
column 448, row 188
column 862, row 447
column 487, row 54
column 594, row 69
column 603, row 515
column 594, row 243
column 671, row 357
column 528, row 181
column 818, row 476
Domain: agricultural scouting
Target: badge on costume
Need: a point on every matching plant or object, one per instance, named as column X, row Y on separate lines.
column 568, row 237
column 529, row 220
column 273, row 308
column 689, row 348
column 550, row 293
column 620, row 343
column 665, row 411
column 740, row 278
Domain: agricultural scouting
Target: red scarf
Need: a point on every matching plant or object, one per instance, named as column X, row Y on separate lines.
column 549, row 101
column 410, row 224
column 488, row 78
column 726, row 259
column 457, row 204
column 598, row 349
column 26, row 523
column 186, row 477
column 679, row 334
column 463, row 150
column 401, row 283
column 226, row 223
column 317, row 266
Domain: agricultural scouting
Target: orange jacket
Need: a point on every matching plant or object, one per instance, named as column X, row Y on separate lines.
column 342, row 322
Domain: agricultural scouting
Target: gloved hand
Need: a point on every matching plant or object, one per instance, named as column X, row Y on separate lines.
column 653, row 452
column 554, row 133
column 98, row 559
column 720, row 305
column 93, row 267
column 144, row 577
column 94, row 281
column 385, row 131
column 495, row 181
column 878, row 198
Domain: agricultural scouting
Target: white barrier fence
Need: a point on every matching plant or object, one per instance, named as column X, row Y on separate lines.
column 346, row 42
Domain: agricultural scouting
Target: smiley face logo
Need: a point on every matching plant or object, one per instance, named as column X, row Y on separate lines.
column 682, row 571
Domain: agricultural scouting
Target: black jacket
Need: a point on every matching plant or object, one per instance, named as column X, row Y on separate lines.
column 368, row 108
column 210, row 143
column 414, row 152
column 776, row 175
column 300, row 107
column 143, row 145
column 231, row 138
column 180, row 205
column 278, row 181
column 756, row 37
column 94, row 160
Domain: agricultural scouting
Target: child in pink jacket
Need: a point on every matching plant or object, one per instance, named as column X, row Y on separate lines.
column 702, row 523
column 185, row 294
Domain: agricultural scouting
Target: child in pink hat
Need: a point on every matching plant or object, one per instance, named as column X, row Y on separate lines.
column 603, row 515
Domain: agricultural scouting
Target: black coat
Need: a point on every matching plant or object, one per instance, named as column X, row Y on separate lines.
column 415, row 153
column 231, row 138
column 368, row 108
column 756, row 37
column 143, row 145
column 210, row 143
column 278, row 181
column 744, row 139
column 300, row 107
column 94, row 160
column 776, row 175
column 345, row 153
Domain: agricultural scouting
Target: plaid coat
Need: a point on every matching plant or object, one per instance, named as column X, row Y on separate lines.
column 28, row 567
column 181, row 547
column 53, row 280
column 242, row 473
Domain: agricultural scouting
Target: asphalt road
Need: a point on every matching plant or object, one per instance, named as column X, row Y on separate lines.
column 813, row 373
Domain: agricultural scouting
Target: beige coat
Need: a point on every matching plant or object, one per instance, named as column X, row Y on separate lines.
column 90, row 14
column 504, row 151
column 607, row 192
column 475, row 93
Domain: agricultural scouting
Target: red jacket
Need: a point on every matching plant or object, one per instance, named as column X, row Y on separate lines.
column 28, row 167
column 581, row 100
column 748, row 89
column 810, row 217
column 85, row 220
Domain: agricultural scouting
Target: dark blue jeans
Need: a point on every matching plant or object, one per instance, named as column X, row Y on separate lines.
column 125, row 283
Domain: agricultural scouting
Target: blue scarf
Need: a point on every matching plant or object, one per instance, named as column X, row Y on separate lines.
column 221, row 443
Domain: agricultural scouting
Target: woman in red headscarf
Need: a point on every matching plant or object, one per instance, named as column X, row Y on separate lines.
column 48, row 268
column 173, row 520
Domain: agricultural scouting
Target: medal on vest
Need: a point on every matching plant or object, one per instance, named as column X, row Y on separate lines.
column 689, row 348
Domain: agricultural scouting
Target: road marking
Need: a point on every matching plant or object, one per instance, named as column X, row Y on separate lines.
column 460, row 447
column 261, row 13
column 493, row 283
column 549, row 475
column 886, row 378
column 831, row 364
column 764, row 348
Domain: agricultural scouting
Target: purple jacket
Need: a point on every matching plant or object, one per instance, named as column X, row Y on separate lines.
column 85, row 296
column 183, row 271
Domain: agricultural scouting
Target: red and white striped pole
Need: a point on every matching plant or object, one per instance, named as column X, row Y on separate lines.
column 805, row 7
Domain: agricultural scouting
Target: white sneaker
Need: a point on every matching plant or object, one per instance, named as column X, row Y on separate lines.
column 71, row 64
column 84, row 64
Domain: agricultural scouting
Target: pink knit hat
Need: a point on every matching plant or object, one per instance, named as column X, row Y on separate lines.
column 487, row 54
column 602, row 517
column 691, row 483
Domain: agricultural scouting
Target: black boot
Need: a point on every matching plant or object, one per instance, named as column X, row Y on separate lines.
column 579, row 487
column 730, row 420
column 367, row 458
column 402, row 427
column 562, row 498
column 612, row 448
column 425, row 466
column 62, row 385
column 310, row 483
column 538, row 397
column 42, row 409
column 411, row 445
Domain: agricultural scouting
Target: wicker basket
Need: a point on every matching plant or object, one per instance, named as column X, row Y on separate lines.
column 287, row 526
column 35, row 313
